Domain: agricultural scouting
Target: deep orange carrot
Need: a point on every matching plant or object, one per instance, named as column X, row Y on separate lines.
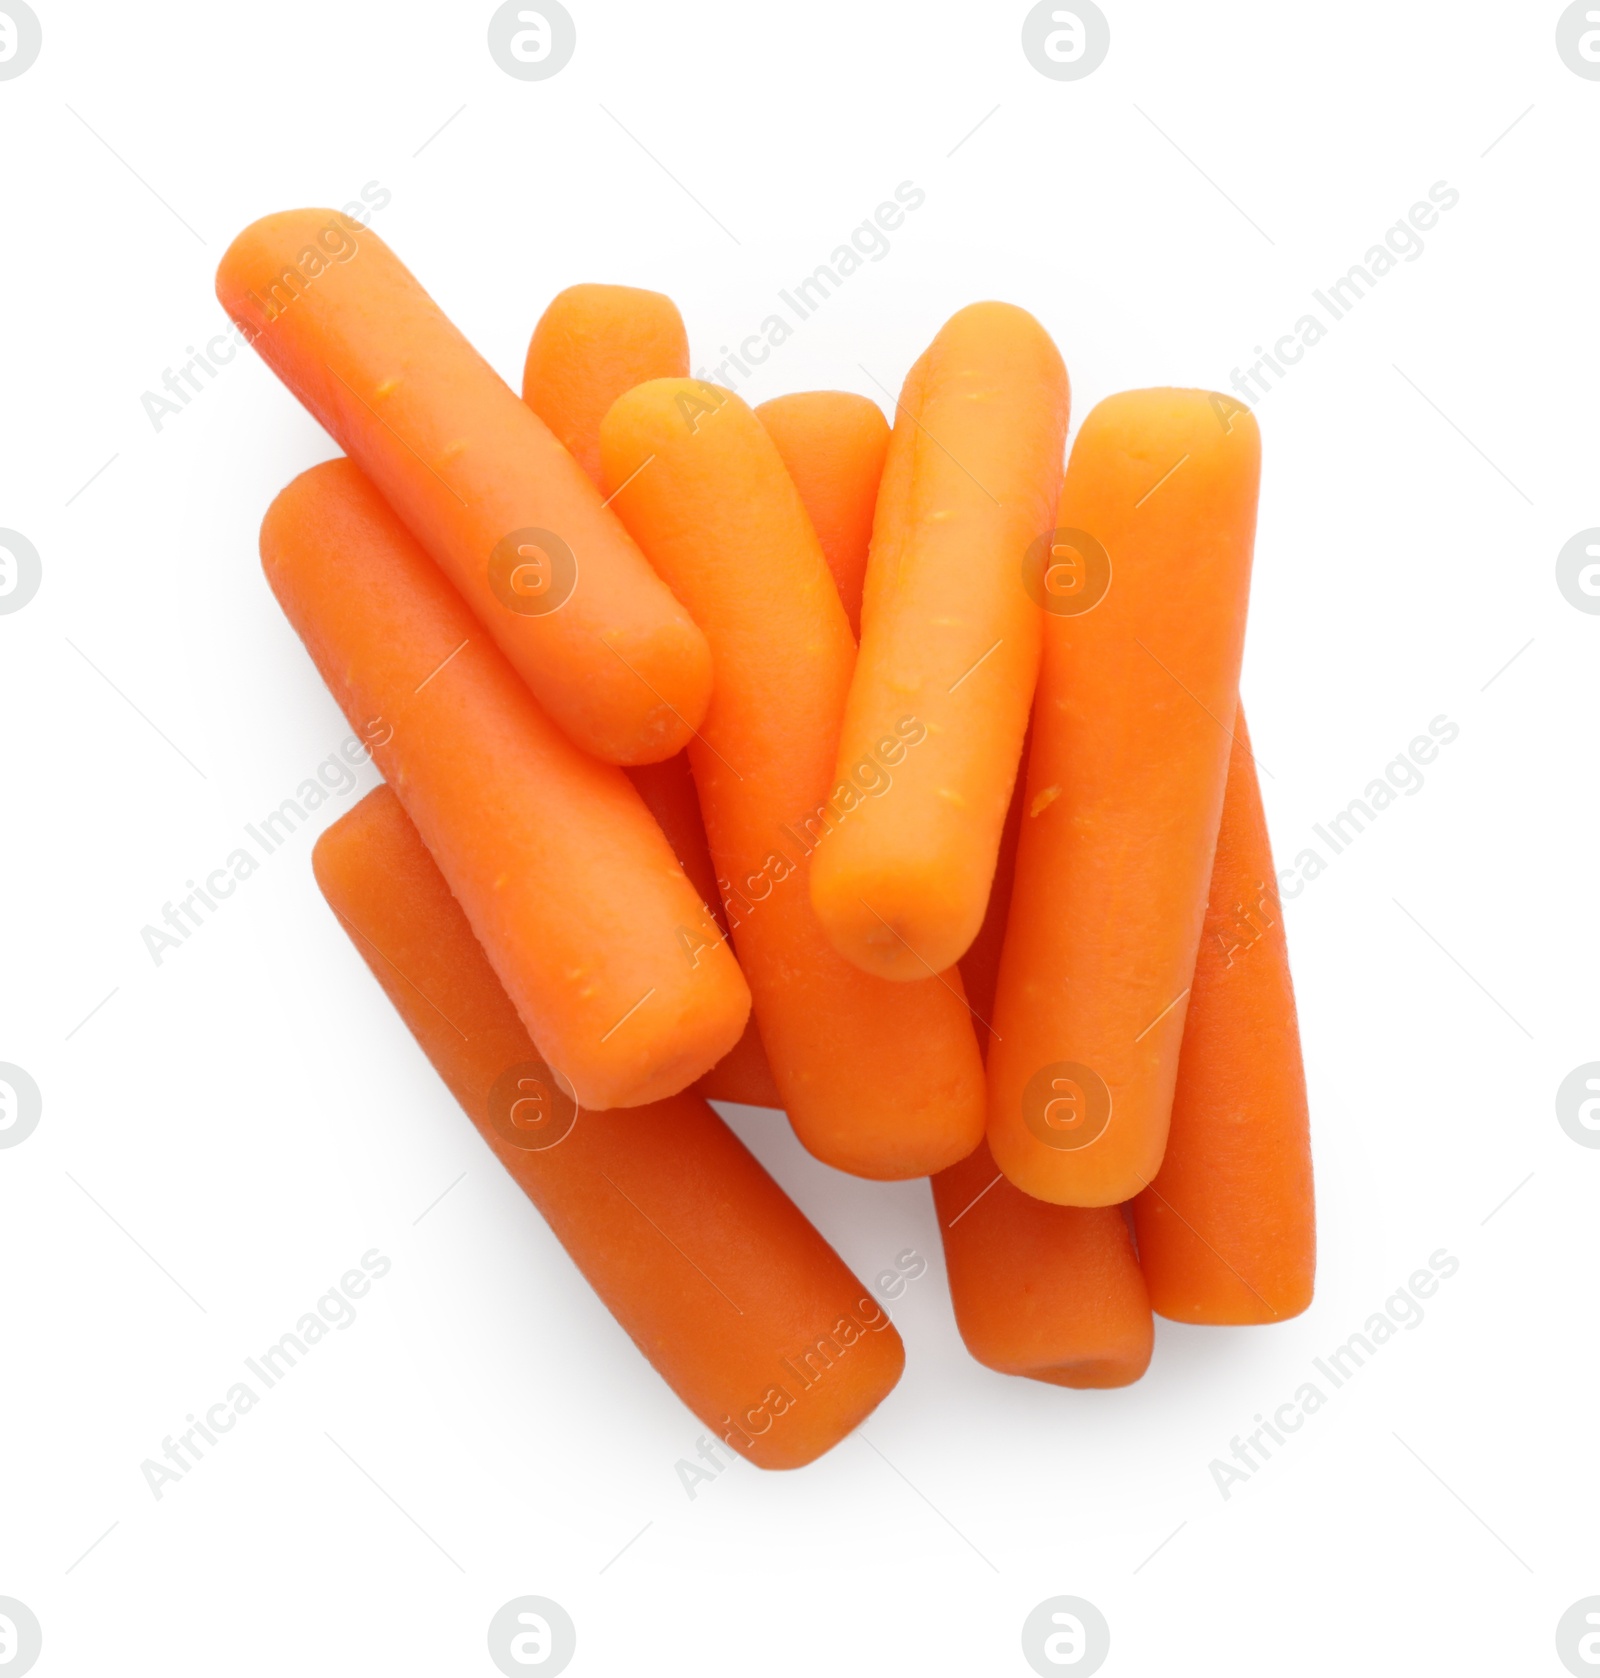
column 743, row 1308
column 573, row 890
column 878, row 1078
column 593, row 343
column 476, row 477
column 972, row 479
column 1227, row 1230
column 833, row 444
column 1051, row 1292
column 1124, row 793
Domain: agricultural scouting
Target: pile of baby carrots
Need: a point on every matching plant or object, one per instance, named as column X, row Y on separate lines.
column 783, row 757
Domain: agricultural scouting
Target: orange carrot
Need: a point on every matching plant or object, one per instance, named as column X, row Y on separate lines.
column 972, row 478
column 1227, row 1231
column 880, row 1079
column 1050, row 1292
column 593, row 343
column 833, row 444
column 745, row 1311
column 477, row 479
column 570, row 885
column 1124, row 790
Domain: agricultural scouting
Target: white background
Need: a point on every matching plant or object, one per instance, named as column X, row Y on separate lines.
column 229, row 1131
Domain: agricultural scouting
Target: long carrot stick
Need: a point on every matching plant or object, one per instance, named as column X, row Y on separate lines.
column 614, row 963
column 972, row 478
column 1227, row 1230
column 476, row 478
column 880, row 1079
column 833, row 444
column 592, row 344
column 1051, row 1292
column 1124, row 788
column 743, row 1308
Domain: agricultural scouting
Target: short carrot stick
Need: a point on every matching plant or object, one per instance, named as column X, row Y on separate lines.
column 1050, row 1292
column 593, row 343
column 949, row 632
column 880, row 1079
column 1149, row 572
column 741, row 1306
column 618, row 970
column 833, row 444
column 476, row 477
column 1227, row 1230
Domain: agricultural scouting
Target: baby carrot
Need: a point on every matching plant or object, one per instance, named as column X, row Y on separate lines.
column 972, row 478
column 1124, row 790
column 833, row 444
column 477, row 479
column 745, row 1311
column 880, row 1079
column 571, row 887
column 1227, row 1231
column 1051, row 1292
column 593, row 343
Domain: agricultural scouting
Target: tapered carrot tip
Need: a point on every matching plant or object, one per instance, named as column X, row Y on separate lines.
column 476, row 477
column 593, row 343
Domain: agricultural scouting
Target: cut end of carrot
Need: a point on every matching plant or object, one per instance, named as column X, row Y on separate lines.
column 247, row 266
column 855, row 1369
column 1170, row 428
column 1106, row 1171
column 891, row 923
column 1095, row 1372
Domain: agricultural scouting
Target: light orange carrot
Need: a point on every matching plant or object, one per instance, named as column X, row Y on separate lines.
column 878, row 1078
column 1227, row 1230
column 1050, row 1292
column 615, row 965
column 477, row 479
column 833, row 444
column 593, row 343
column 743, row 1308
column 972, row 479
column 1124, row 790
